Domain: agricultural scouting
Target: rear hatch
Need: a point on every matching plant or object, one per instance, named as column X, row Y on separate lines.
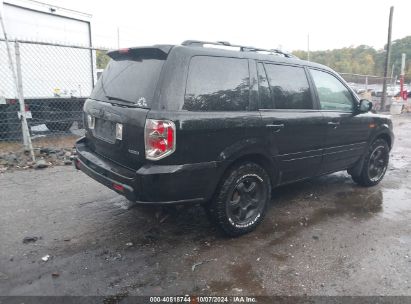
column 123, row 96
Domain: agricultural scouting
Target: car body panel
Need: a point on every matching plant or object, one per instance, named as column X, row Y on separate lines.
column 298, row 145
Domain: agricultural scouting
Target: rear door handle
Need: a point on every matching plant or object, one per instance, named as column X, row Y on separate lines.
column 275, row 127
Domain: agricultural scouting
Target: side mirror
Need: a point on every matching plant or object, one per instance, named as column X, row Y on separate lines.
column 365, row 106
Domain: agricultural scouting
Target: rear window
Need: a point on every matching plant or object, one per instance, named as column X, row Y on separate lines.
column 289, row 87
column 129, row 81
column 217, row 84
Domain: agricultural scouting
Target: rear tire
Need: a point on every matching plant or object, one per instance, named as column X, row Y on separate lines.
column 375, row 164
column 241, row 199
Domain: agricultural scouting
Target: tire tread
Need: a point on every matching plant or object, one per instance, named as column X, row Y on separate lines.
column 362, row 179
column 216, row 210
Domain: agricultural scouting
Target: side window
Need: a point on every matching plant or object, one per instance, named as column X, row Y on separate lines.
column 266, row 102
column 332, row 93
column 217, row 84
column 289, row 87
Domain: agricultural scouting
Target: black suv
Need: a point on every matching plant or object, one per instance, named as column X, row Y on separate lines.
column 198, row 123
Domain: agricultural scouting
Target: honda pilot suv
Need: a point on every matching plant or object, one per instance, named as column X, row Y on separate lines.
column 222, row 125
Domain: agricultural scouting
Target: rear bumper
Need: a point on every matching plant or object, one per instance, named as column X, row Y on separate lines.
column 150, row 184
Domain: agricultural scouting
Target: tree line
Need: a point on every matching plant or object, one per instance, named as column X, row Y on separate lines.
column 364, row 59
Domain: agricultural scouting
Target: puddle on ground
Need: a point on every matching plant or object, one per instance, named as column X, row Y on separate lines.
column 397, row 203
column 293, row 213
column 388, row 203
column 405, row 239
column 360, row 202
column 398, row 163
column 243, row 278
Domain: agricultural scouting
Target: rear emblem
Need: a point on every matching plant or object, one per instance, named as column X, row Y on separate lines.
column 142, row 102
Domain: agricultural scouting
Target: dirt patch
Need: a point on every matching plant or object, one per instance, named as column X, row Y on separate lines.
column 65, row 141
column 49, row 151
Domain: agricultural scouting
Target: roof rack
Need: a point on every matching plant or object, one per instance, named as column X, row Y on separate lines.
column 242, row 47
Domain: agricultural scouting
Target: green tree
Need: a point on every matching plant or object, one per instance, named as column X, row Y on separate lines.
column 363, row 59
column 399, row 47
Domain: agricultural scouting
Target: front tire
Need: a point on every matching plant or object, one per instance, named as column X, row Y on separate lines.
column 241, row 199
column 375, row 164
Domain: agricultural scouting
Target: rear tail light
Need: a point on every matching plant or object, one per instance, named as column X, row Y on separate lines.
column 160, row 138
column 124, row 50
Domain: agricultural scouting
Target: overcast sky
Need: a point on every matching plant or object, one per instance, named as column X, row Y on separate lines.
column 262, row 23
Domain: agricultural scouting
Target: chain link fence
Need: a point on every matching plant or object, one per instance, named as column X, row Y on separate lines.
column 370, row 87
column 55, row 79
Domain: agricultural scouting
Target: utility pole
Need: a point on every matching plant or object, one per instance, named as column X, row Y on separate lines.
column 392, row 76
column 366, row 83
column 403, row 96
column 118, row 37
column 308, row 47
column 387, row 61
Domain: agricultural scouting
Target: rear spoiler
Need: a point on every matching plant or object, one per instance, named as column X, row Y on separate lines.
column 147, row 52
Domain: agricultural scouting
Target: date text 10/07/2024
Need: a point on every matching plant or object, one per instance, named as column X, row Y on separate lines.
column 203, row 299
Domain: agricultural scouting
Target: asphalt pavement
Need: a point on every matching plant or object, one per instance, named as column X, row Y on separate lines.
column 62, row 233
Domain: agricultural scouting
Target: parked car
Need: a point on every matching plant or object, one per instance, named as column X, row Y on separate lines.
column 399, row 94
column 189, row 124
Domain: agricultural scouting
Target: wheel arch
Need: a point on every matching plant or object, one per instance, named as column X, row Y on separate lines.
column 259, row 158
column 384, row 136
column 356, row 169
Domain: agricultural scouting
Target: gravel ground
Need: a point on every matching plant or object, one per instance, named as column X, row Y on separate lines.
column 325, row 236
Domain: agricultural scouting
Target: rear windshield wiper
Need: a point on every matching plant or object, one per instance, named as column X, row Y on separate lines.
column 118, row 99
column 121, row 101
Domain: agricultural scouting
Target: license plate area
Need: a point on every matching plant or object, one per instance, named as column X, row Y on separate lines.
column 105, row 130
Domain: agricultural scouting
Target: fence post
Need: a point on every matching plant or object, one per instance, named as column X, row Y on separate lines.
column 366, row 83
column 19, row 85
column 387, row 61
